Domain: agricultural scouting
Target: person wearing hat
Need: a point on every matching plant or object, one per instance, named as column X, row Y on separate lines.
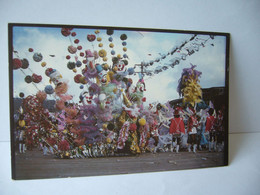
column 177, row 129
column 210, row 132
column 192, row 131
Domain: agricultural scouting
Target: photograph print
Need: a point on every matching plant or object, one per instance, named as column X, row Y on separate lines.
column 96, row 100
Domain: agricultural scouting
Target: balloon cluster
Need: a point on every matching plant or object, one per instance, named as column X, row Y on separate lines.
column 188, row 86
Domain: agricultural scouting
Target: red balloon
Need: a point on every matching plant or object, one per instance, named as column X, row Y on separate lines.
column 91, row 38
column 77, row 77
column 72, row 49
column 79, row 47
column 17, row 63
column 65, row 32
column 67, row 57
column 73, row 34
column 81, row 54
column 76, row 41
column 84, row 61
column 30, row 49
column 36, row 78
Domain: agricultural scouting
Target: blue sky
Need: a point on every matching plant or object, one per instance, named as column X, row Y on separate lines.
column 141, row 46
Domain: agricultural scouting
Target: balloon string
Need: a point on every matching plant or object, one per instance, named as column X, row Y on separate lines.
column 199, row 45
column 176, row 48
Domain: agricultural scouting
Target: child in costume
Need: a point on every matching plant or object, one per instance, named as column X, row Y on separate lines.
column 21, row 126
column 177, row 129
column 192, row 131
column 210, row 132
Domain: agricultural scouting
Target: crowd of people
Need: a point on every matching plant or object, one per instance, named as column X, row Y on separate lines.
column 165, row 129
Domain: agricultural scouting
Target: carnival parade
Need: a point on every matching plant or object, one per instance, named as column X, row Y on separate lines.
column 100, row 102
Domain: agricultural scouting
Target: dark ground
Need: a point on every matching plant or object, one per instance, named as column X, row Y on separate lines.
column 34, row 165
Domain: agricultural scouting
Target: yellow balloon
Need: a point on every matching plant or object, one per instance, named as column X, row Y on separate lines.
column 82, row 80
column 43, row 64
column 104, row 126
column 99, row 39
column 111, row 45
column 100, row 44
column 21, row 123
column 105, row 59
column 105, row 66
column 142, row 121
column 115, row 69
column 74, row 70
column 124, row 49
column 102, row 53
column 119, row 56
column 108, row 140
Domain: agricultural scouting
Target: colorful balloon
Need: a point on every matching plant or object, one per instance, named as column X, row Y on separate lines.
column 36, row 78
column 99, row 67
column 77, row 77
column 30, row 49
column 78, row 63
column 111, row 45
column 142, row 121
column 105, row 66
column 21, row 95
column 123, row 37
column 49, row 89
column 72, row 49
column 17, row 63
column 125, row 62
column 71, row 65
column 43, row 64
column 110, row 31
column 91, row 38
column 37, row 57
column 79, row 47
column 65, row 32
column 28, row 79
column 113, row 52
column 25, row 63
column 102, row 53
